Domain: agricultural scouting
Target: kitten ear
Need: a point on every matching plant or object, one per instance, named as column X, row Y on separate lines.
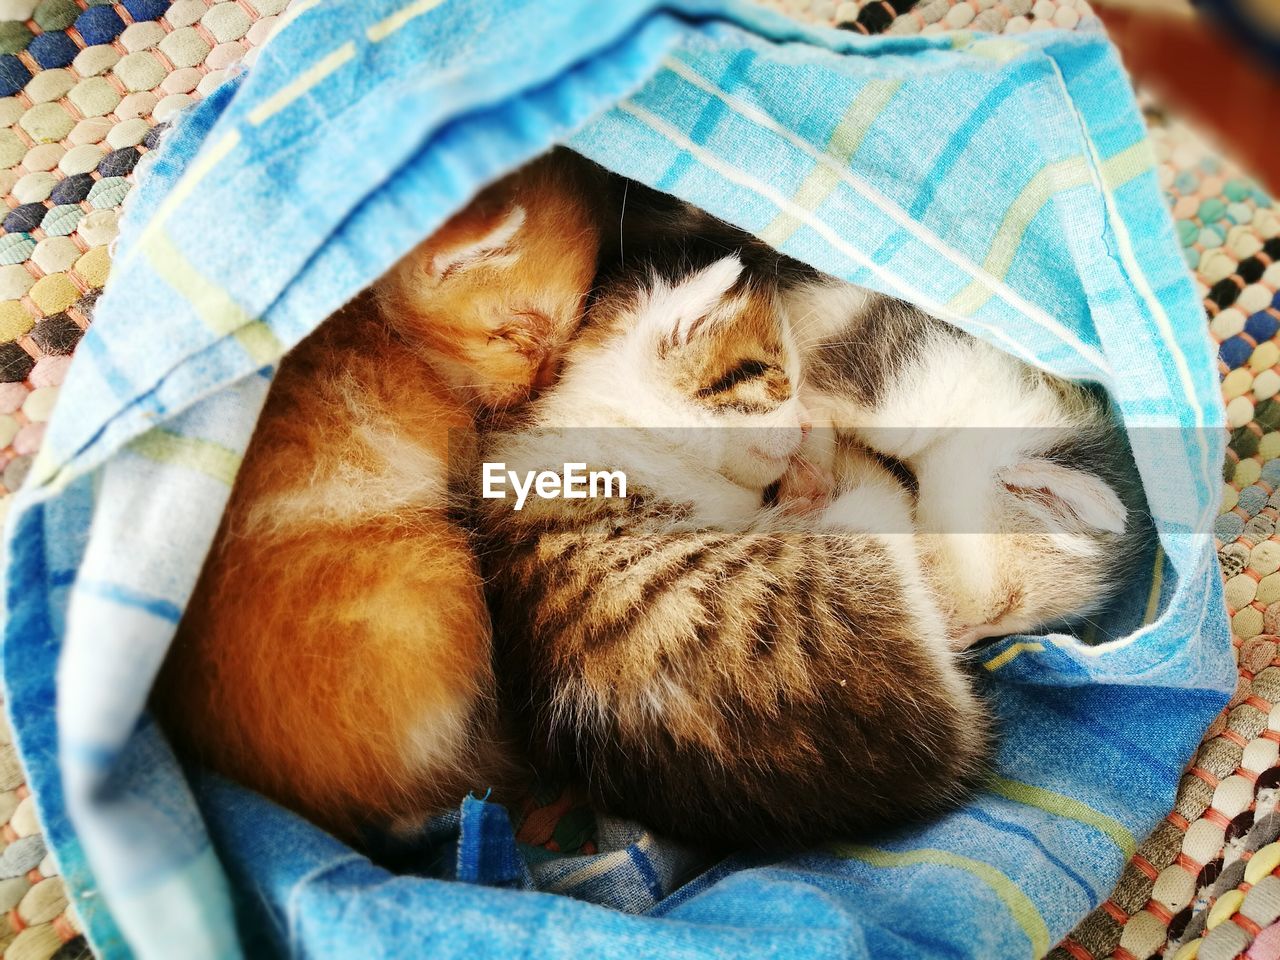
column 677, row 311
column 1065, row 493
column 492, row 248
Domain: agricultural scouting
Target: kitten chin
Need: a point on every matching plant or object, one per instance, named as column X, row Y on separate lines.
column 728, row 674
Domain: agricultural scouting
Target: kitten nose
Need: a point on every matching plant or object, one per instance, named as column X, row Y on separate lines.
column 805, row 427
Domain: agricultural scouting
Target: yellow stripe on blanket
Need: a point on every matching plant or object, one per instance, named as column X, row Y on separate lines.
column 1023, row 646
column 1064, row 806
column 1130, row 162
column 305, row 82
column 211, row 459
column 845, row 140
column 215, row 306
column 1040, row 189
column 1157, row 581
column 1018, row 903
column 401, row 18
column 879, row 93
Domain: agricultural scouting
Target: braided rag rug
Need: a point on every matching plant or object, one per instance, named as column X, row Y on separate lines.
column 83, row 85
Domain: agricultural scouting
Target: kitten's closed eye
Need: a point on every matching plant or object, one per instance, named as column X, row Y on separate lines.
column 742, row 372
column 527, row 333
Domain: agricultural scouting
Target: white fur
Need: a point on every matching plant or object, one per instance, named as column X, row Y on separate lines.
column 444, row 731
column 384, row 472
column 970, row 422
column 1091, row 500
column 490, row 249
column 624, row 385
column 673, row 311
column 819, row 311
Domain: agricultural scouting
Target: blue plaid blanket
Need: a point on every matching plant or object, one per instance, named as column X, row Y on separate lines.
column 1001, row 183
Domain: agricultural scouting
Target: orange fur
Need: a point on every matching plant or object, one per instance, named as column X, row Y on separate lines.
column 336, row 653
column 493, row 328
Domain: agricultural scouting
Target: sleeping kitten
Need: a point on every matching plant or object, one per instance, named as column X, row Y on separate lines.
column 1026, row 489
column 1024, row 482
column 722, row 672
column 336, row 653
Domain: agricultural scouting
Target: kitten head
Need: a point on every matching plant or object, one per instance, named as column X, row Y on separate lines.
column 494, row 295
column 1042, row 541
column 705, row 358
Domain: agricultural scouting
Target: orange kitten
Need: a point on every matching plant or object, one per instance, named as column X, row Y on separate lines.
column 336, row 652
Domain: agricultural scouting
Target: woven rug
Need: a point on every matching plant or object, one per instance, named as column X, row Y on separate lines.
column 1206, row 882
column 82, row 86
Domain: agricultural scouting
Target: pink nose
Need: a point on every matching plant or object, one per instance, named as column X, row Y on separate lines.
column 805, row 427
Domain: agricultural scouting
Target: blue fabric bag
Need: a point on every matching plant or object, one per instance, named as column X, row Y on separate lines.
column 1003, row 184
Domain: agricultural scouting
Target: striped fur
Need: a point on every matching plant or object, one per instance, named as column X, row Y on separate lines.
column 723, row 672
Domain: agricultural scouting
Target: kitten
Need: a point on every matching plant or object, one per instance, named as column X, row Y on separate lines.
column 1028, row 500
column 1024, row 482
column 336, row 653
column 724, row 673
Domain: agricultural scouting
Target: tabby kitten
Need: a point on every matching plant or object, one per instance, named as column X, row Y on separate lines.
column 1027, row 495
column 336, row 653
column 723, row 672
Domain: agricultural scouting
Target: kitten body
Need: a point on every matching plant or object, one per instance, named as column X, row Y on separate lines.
column 723, row 672
column 1025, row 486
column 336, row 652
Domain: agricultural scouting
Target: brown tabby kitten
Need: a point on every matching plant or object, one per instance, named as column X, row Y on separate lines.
column 725, row 674
column 336, row 653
